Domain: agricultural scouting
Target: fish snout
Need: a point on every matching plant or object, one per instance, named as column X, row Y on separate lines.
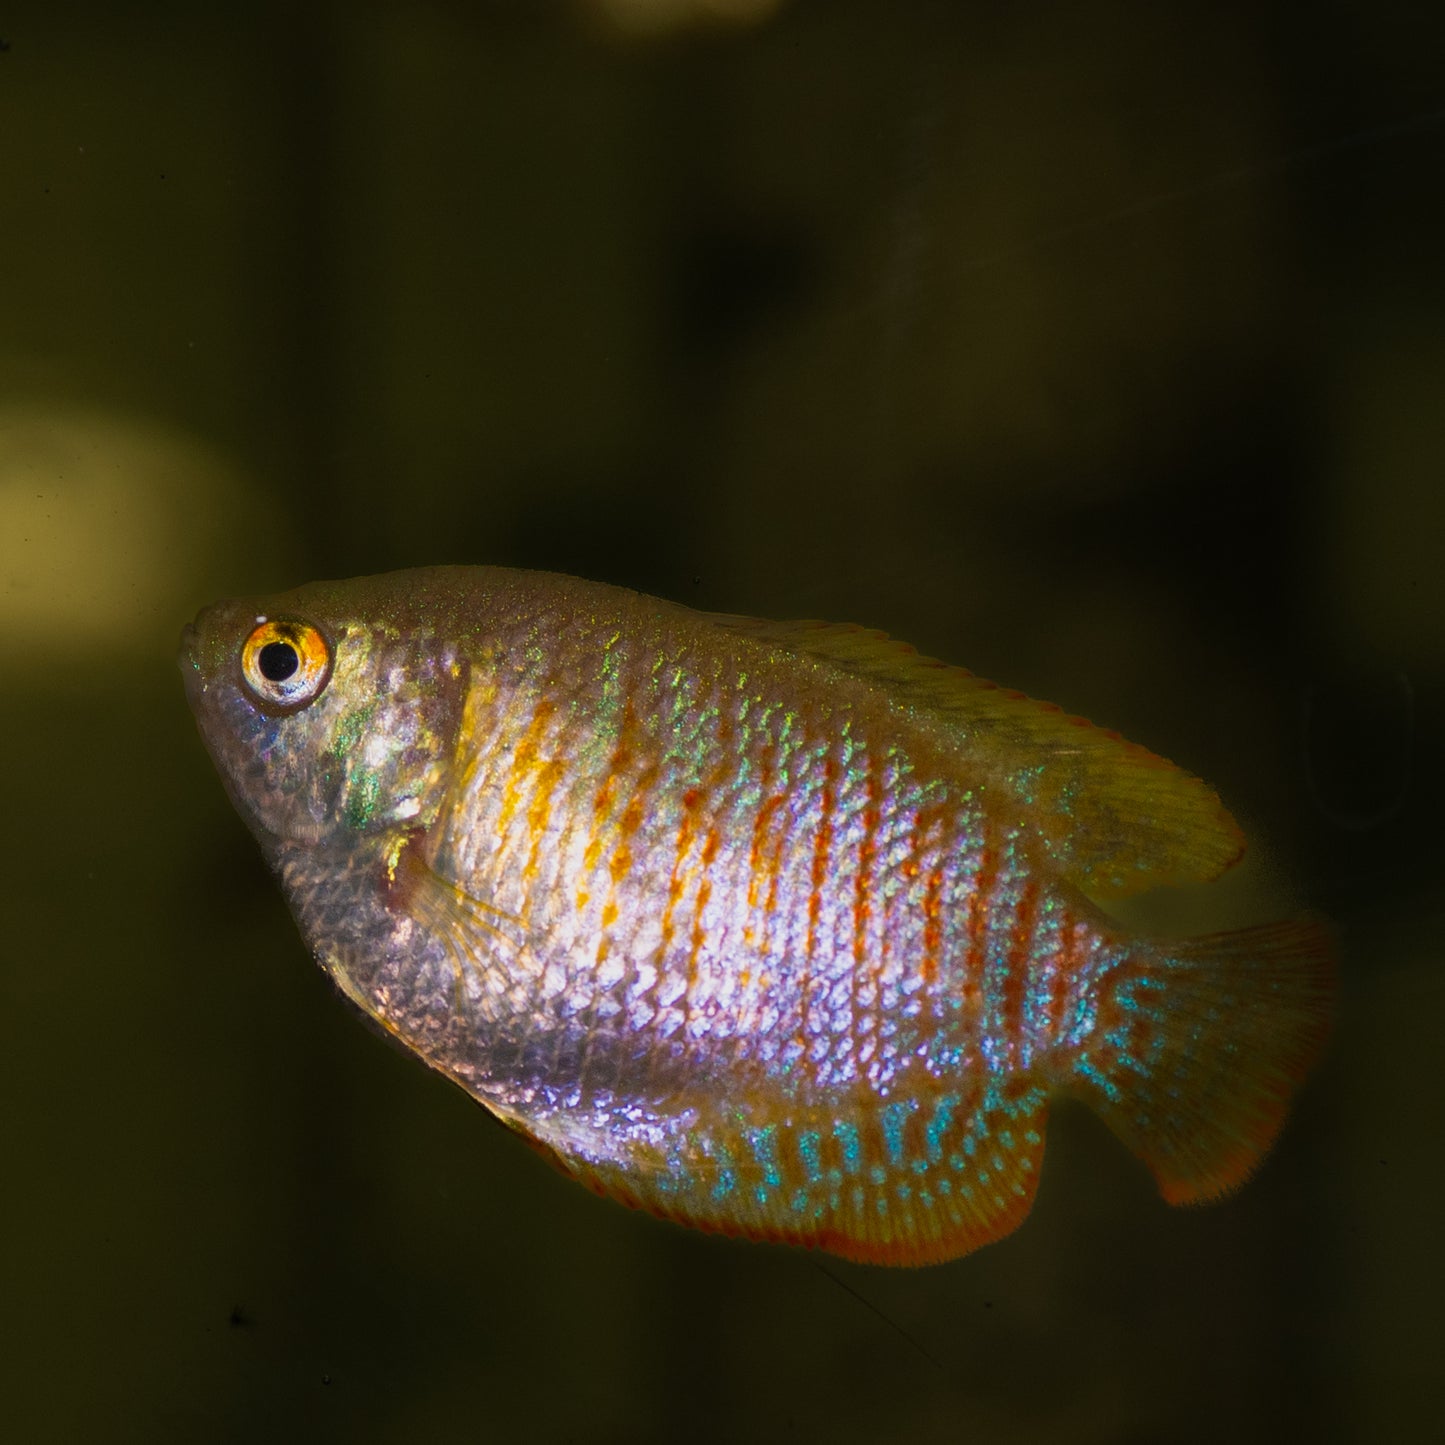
column 201, row 636
column 199, row 642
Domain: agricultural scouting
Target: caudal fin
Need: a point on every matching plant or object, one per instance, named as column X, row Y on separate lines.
column 1200, row 1046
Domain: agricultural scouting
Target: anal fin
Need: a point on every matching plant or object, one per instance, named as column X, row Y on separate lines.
column 912, row 1180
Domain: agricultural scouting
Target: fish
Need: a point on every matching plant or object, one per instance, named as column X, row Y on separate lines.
column 777, row 930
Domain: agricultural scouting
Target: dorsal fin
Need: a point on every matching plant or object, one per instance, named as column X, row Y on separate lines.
column 1116, row 817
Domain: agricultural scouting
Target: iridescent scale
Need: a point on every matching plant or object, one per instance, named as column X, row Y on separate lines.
column 767, row 971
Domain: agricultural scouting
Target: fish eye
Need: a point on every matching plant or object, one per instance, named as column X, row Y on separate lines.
column 285, row 664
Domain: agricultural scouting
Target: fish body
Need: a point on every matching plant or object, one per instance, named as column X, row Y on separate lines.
column 774, row 929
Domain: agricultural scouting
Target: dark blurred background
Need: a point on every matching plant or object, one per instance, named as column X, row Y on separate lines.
column 1095, row 346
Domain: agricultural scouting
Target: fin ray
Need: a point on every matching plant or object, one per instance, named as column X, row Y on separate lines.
column 910, row 1182
column 1116, row 817
column 469, row 926
column 1201, row 1045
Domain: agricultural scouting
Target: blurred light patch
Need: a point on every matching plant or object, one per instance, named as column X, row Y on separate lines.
column 109, row 528
column 657, row 17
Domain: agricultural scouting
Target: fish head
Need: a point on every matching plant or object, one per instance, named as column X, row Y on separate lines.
column 331, row 711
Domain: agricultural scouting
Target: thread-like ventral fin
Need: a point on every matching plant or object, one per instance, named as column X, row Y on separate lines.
column 471, row 927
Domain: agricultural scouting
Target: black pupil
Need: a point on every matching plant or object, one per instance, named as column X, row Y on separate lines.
column 278, row 661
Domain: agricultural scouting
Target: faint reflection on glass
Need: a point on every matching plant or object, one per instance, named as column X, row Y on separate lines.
column 108, row 524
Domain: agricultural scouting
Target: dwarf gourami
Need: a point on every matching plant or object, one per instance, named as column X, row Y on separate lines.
column 777, row 929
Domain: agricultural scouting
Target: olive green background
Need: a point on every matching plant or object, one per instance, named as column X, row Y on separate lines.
column 1098, row 347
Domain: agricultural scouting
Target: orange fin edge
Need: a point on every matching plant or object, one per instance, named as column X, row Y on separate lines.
column 909, row 1182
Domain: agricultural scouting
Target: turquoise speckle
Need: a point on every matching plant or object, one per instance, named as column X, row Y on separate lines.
column 764, row 1144
column 895, row 1116
column 938, row 1125
column 808, row 1142
column 1107, row 1087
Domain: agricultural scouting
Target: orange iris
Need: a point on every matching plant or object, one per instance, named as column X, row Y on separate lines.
column 285, row 664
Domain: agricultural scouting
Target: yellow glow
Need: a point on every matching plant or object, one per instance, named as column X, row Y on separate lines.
column 109, row 526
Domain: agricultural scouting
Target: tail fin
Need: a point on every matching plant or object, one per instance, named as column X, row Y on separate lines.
column 1200, row 1045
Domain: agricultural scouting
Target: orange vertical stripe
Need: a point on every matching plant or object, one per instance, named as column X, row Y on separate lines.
column 863, row 897
column 978, row 905
column 523, row 760
column 682, row 846
column 822, row 847
column 926, row 859
column 704, row 892
column 1016, row 970
column 1064, row 966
